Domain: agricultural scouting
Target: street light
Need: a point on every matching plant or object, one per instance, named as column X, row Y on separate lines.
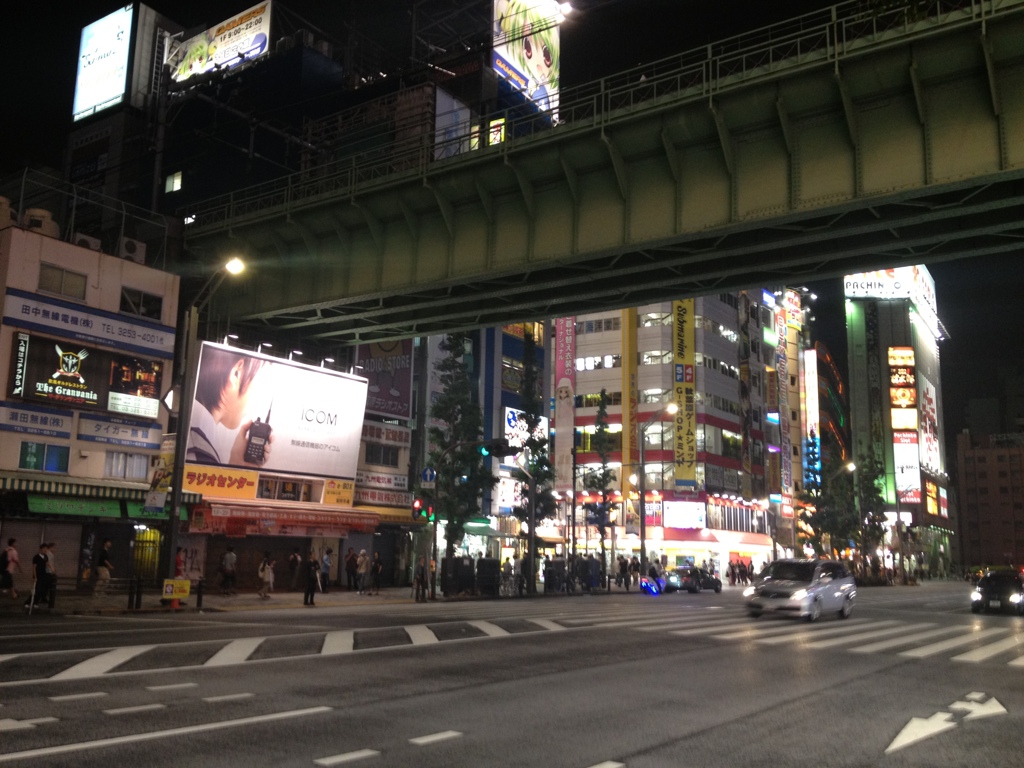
column 670, row 409
column 190, row 362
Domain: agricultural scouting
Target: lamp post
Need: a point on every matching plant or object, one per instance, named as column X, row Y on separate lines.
column 187, row 371
column 670, row 409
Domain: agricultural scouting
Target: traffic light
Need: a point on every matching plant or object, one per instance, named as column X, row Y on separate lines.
column 417, row 508
column 496, row 447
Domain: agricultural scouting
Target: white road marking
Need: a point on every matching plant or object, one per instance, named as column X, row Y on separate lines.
column 420, row 634
column 64, row 749
column 1018, row 662
column 228, row 697
column 856, row 638
column 489, row 629
column 547, row 624
column 422, row 741
column 171, row 686
column 7, row 657
column 100, row 665
column 338, row 642
column 956, row 642
column 234, row 652
column 78, row 696
column 609, row 764
column 133, row 710
column 818, row 630
column 8, row 724
column 348, row 757
column 992, row 649
column 885, row 645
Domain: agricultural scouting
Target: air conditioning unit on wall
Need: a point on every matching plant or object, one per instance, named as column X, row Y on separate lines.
column 87, row 241
column 130, row 248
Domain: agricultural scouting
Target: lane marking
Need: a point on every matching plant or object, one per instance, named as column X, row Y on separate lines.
column 422, row 741
column 100, row 665
column 609, row 764
column 993, row 649
column 865, row 636
column 420, row 634
column 338, row 642
column 132, row 710
column 64, row 749
column 228, row 697
column 749, row 626
column 547, row 624
column 819, row 630
column 885, row 645
column 9, row 724
column 956, row 642
column 690, row 623
column 78, row 696
column 489, row 629
column 348, row 757
column 171, row 686
column 234, row 652
column 7, row 657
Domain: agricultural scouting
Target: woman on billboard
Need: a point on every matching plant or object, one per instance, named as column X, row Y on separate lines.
column 221, row 431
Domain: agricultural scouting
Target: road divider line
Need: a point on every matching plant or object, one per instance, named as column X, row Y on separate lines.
column 100, row 665
column 945, row 645
column 422, row 741
column 78, row 696
column 420, row 634
column 234, row 652
column 227, row 697
column 132, row 710
column 993, row 649
column 489, row 629
column 896, row 642
column 7, row 657
column 133, row 738
column 348, row 757
column 338, row 642
column 171, row 686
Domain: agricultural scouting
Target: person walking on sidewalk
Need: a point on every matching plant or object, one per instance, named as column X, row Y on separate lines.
column 362, row 571
column 376, row 569
column 266, row 574
column 351, row 569
column 295, row 568
column 325, row 569
column 40, row 579
column 227, row 569
column 312, row 569
column 104, row 568
column 9, row 563
column 419, row 578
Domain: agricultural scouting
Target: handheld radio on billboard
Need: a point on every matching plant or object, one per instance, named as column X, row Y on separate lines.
column 259, row 436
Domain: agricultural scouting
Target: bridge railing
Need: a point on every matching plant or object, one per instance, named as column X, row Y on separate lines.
column 828, row 34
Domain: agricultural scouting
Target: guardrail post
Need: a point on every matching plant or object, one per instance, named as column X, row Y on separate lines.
column 138, row 592
column 199, row 594
column 131, row 594
column 53, row 594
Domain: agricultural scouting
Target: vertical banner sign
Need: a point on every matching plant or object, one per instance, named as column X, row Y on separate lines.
column 565, row 401
column 630, row 400
column 782, row 366
column 746, row 415
column 685, row 388
column 811, row 408
column 387, row 368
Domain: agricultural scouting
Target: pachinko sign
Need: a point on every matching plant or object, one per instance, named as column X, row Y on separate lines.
column 233, row 42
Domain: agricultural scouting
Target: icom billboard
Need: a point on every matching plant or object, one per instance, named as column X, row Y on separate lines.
column 526, row 48
column 256, row 412
column 103, row 63
column 231, row 43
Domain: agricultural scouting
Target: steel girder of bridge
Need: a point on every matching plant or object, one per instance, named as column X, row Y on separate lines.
column 900, row 146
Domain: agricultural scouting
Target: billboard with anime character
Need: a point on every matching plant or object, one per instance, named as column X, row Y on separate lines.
column 527, row 47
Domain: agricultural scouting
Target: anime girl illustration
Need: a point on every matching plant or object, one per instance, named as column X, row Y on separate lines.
column 527, row 42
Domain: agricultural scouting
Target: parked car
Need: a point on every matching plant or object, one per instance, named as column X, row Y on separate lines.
column 999, row 589
column 692, row 579
column 803, row 588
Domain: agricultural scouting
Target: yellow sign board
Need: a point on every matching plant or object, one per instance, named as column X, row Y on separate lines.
column 220, row 482
column 340, row 492
column 685, row 392
column 176, row 589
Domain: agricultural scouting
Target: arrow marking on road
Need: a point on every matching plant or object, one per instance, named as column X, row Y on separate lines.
column 976, row 709
column 9, row 724
column 920, row 728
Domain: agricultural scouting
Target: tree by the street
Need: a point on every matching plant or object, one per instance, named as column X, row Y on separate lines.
column 538, row 457
column 601, row 479
column 828, row 516
column 870, row 479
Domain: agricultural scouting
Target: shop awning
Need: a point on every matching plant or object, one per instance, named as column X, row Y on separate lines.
column 487, row 532
column 350, row 519
column 710, row 536
column 80, row 488
column 400, row 515
column 69, row 505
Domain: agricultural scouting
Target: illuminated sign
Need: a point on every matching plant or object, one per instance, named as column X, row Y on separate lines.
column 908, row 467
column 526, row 48
column 256, row 412
column 516, row 428
column 233, row 42
column 931, row 456
column 684, row 360
column 684, row 514
column 902, row 388
column 102, row 77
column 565, row 401
column 812, row 432
column 914, row 283
column 931, row 497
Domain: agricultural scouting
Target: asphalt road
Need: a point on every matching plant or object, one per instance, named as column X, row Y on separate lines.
column 912, row 679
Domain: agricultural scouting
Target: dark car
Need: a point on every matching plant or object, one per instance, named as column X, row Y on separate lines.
column 692, row 579
column 999, row 589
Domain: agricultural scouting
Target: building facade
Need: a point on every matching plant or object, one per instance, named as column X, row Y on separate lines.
column 991, row 511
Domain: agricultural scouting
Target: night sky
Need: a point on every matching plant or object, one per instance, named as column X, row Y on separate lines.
column 39, row 47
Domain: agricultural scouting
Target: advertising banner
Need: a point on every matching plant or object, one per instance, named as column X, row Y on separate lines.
column 684, row 360
column 251, row 411
column 685, row 514
column 526, row 48
column 931, row 456
column 565, row 401
column 516, row 431
column 630, row 398
column 32, row 420
column 782, row 367
column 387, row 434
column 907, row 467
column 339, row 492
column 112, row 430
column 235, row 41
column 914, row 283
column 387, row 367
column 224, row 483
column 103, row 63
column 70, row 374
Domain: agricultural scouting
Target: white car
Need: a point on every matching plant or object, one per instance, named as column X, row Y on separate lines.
column 803, row 588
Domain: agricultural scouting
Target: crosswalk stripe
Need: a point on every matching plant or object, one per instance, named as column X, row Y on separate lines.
column 99, row 665
column 835, row 641
column 420, row 634
column 946, row 645
column 489, row 629
column 812, row 632
column 694, row 623
column 234, row 652
column 546, row 624
column 896, row 642
column 338, row 642
column 596, row 617
column 993, row 649
column 757, row 629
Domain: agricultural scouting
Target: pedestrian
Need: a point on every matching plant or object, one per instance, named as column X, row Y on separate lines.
column 104, row 569
column 743, row 572
column 362, row 571
column 179, row 563
column 623, row 572
column 266, row 574
column 227, row 569
column 9, row 563
column 51, row 572
column 520, row 576
column 40, row 582
column 351, row 569
column 376, row 569
column 312, row 579
column 419, row 579
column 295, row 568
column 325, row 569
column 732, row 573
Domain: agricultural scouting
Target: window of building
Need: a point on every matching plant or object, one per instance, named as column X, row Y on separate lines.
column 173, row 182
column 135, row 302
column 598, row 362
column 522, row 330
column 651, row 319
column 61, row 282
column 43, row 457
column 512, row 374
column 381, row 455
column 285, row 489
column 730, row 299
column 126, row 466
column 656, row 357
column 600, row 325
column 655, row 395
column 593, row 400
